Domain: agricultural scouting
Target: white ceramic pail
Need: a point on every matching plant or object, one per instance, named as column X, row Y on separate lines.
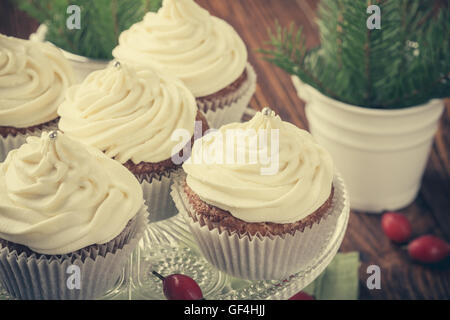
column 82, row 66
column 381, row 154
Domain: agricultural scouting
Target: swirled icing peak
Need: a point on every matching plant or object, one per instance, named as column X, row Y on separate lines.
column 299, row 183
column 58, row 196
column 33, row 79
column 202, row 50
column 129, row 113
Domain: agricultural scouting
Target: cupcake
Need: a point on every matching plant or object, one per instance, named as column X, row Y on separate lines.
column 205, row 52
column 140, row 117
column 33, row 79
column 64, row 207
column 260, row 197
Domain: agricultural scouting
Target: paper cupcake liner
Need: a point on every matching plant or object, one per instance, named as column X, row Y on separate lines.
column 11, row 142
column 261, row 257
column 230, row 108
column 156, row 191
column 48, row 277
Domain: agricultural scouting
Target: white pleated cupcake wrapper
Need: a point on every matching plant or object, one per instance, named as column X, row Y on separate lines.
column 157, row 196
column 11, row 142
column 262, row 257
column 232, row 107
column 43, row 278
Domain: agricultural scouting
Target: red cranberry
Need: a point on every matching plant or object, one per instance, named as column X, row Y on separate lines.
column 302, row 296
column 396, row 227
column 180, row 287
column 428, row 249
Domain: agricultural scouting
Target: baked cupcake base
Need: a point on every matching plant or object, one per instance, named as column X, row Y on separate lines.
column 32, row 276
column 257, row 256
column 12, row 138
column 156, row 179
column 214, row 217
column 229, row 104
column 227, row 94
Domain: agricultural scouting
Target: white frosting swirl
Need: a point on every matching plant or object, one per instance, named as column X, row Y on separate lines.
column 300, row 186
column 58, row 196
column 202, row 50
column 33, row 80
column 129, row 113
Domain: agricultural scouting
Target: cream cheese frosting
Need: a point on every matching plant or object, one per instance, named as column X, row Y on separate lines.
column 300, row 186
column 33, row 80
column 58, row 196
column 202, row 50
column 129, row 113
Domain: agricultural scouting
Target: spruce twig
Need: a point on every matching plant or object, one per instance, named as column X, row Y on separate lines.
column 290, row 54
column 101, row 22
column 371, row 68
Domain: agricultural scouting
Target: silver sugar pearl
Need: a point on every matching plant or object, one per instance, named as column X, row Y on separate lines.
column 117, row 64
column 53, row 135
column 268, row 112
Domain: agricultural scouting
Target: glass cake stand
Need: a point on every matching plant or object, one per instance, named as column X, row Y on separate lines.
column 168, row 247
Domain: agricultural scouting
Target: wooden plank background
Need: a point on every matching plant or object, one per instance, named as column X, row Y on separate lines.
column 401, row 279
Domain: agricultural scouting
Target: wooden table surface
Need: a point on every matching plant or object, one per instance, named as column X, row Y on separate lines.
column 430, row 212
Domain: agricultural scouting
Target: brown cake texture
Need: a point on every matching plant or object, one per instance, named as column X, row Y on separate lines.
column 157, row 169
column 13, row 131
column 217, row 217
column 223, row 93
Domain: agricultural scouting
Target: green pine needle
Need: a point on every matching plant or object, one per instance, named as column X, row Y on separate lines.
column 406, row 63
column 101, row 22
